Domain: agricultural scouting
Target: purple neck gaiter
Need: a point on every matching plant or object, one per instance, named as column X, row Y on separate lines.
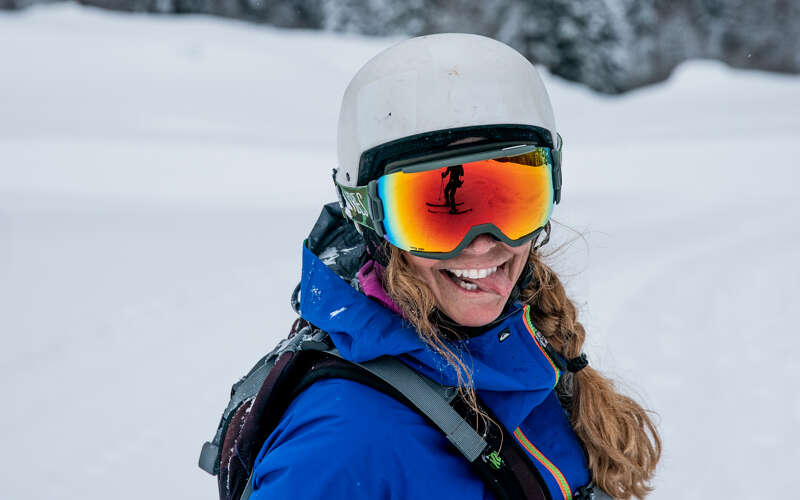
column 369, row 277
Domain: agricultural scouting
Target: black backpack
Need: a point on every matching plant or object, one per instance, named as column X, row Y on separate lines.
column 259, row 399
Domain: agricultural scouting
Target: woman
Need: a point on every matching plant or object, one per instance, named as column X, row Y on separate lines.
column 449, row 166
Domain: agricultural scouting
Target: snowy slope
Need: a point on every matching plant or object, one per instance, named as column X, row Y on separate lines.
column 157, row 176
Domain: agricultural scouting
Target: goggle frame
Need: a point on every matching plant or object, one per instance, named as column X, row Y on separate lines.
column 362, row 204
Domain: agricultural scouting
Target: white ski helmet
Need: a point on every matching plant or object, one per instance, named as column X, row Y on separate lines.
column 424, row 94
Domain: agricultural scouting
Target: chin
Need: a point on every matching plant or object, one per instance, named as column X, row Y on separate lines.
column 476, row 315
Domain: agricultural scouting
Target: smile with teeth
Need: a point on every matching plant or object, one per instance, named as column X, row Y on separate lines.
column 457, row 274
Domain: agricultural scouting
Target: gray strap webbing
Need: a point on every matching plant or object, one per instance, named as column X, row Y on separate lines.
column 248, row 489
column 209, row 455
column 601, row 495
column 432, row 400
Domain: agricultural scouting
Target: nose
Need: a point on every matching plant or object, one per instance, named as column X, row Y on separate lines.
column 482, row 244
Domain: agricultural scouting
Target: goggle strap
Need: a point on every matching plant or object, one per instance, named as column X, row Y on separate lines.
column 555, row 155
column 361, row 205
column 539, row 244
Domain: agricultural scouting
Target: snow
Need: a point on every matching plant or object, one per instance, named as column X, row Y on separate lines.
column 337, row 312
column 330, row 255
column 157, row 177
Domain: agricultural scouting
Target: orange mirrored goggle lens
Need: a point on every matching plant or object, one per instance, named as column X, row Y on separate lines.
column 434, row 210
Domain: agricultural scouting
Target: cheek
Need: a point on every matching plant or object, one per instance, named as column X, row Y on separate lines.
column 419, row 265
column 430, row 277
column 422, row 268
column 520, row 259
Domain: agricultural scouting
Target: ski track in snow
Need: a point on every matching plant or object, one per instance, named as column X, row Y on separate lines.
column 157, row 178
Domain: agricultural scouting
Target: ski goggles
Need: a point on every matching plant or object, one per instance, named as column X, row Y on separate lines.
column 434, row 208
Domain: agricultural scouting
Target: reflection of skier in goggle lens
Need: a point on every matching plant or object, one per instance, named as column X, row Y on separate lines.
column 456, row 172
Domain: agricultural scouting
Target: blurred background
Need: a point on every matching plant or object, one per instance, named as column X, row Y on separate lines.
column 158, row 173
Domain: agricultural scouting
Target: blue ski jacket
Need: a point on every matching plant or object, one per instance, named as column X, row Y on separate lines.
column 341, row 439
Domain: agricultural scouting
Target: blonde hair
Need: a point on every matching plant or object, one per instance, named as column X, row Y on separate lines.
column 621, row 441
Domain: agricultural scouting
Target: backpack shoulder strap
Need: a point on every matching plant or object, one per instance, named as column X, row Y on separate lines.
column 501, row 469
column 432, row 401
column 428, row 398
column 259, row 400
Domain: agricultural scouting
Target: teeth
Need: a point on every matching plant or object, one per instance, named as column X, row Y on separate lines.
column 468, row 286
column 473, row 273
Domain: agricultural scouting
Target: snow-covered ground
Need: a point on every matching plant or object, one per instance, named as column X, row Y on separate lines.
column 158, row 174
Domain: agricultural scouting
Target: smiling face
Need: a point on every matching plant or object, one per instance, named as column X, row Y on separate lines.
column 473, row 287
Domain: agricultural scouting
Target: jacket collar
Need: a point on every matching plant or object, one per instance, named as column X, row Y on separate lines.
column 510, row 370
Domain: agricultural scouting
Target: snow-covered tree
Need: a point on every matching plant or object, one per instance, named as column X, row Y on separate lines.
column 610, row 45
